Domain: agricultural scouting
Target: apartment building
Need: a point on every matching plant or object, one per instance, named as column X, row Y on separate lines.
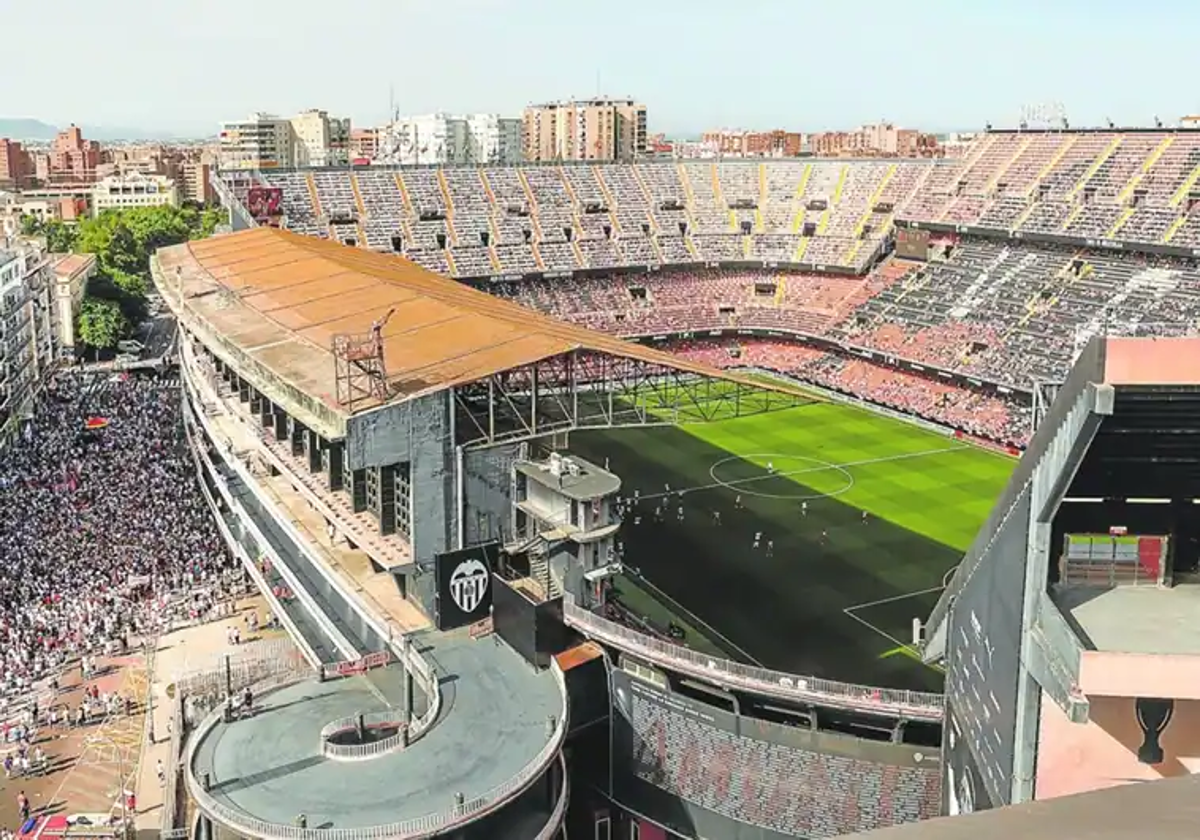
column 364, row 145
column 738, row 143
column 267, row 141
column 28, row 323
column 593, row 129
column 877, row 140
column 133, row 189
column 72, row 158
column 448, row 138
column 263, row 141
column 494, row 139
column 16, row 165
column 319, row 139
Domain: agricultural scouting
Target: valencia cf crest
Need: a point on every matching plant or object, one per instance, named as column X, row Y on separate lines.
column 468, row 584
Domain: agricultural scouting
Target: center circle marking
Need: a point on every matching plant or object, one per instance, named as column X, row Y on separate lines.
column 791, row 465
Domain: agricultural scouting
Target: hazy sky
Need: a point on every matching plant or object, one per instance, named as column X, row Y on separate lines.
column 184, row 65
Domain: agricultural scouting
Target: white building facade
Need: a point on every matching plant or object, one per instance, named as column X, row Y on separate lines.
column 263, row 141
column 28, row 345
column 434, row 139
column 122, row 192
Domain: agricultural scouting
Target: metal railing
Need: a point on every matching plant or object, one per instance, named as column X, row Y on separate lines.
column 385, row 719
column 238, row 509
column 249, row 564
column 418, row 827
column 170, row 795
column 913, row 704
column 550, row 831
column 406, row 653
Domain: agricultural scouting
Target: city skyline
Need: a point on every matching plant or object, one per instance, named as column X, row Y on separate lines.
column 223, row 60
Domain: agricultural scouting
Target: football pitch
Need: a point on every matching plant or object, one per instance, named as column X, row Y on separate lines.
column 862, row 519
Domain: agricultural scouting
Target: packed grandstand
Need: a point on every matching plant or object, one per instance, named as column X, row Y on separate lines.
column 1040, row 240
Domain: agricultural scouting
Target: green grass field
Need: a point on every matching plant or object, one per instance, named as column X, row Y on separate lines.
column 836, row 593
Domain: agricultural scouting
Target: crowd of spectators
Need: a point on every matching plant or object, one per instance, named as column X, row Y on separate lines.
column 1005, row 420
column 100, row 520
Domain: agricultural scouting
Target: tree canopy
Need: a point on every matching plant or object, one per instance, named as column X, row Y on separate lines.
column 101, row 323
column 123, row 242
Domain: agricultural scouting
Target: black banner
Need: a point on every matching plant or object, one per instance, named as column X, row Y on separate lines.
column 963, row 789
column 464, row 585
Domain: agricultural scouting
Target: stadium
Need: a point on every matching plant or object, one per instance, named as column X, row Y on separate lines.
column 668, row 498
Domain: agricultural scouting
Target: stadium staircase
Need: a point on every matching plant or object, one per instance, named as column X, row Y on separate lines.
column 537, row 257
column 852, row 251
column 1025, row 214
column 990, row 187
column 763, row 198
column 689, row 195
column 312, row 194
column 780, row 289
column 1090, row 172
column 747, row 247
column 1075, row 214
column 798, row 219
column 450, row 262
column 532, row 199
column 1125, row 216
column 574, row 199
column 358, row 199
column 404, row 199
column 1147, row 165
column 823, row 222
column 578, row 252
column 1185, row 188
column 609, row 201
column 841, row 185
column 539, row 570
column 1055, row 159
column 487, row 190
column 800, row 249
column 719, row 198
column 1174, row 229
column 445, row 188
column 493, row 257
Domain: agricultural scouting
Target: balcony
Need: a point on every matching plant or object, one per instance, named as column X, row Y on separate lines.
column 1138, row 641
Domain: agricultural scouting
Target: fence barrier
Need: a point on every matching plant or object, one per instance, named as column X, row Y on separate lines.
column 914, row 704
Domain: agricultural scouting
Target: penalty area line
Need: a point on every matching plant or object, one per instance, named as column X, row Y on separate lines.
column 893, row 599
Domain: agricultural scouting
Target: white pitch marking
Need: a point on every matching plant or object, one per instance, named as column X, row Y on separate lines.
column 785, row 473
column 893, row 598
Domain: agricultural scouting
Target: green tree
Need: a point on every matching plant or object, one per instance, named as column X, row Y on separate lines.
column 30, row 226
column 60, row 236
column 101, row 323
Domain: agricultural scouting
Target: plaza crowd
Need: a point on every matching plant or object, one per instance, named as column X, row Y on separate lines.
column 100, row 521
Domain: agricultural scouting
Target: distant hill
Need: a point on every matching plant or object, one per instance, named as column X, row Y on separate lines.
column 26, row 129
column 20, row 128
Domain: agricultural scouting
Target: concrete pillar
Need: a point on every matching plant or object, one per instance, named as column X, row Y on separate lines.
column 335, row 465
column 281, row 425
column 387, row 499
column 298, row 435
column 358, row 490
column 313, row 445
column 243, row 389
